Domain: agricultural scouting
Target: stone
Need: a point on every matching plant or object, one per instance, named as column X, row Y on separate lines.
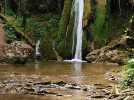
column 61, row 83
column 98, row 96
column 16, row 52
column 115, row 52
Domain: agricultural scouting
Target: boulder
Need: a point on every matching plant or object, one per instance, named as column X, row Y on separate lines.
column 118, row 51
column 16, row 52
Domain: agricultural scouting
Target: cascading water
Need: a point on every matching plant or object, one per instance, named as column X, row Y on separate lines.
column 78, row 9
column 37, row 51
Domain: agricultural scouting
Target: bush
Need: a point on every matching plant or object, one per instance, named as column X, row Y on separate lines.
column 128, row 74
column 11, row 34
column 38, row 27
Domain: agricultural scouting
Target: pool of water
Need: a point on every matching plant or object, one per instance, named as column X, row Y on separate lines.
column 80, row 73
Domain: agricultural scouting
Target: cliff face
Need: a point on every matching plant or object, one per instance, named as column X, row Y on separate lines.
column 52, row 20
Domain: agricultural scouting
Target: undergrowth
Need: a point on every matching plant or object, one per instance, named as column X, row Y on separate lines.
column 38, row 27
column 128, row 74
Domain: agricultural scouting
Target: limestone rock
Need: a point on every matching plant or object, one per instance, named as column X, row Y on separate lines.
column 118, row 51
column 16, row 52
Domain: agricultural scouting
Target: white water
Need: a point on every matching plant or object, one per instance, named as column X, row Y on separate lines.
column 37, row 47
column 78, row 9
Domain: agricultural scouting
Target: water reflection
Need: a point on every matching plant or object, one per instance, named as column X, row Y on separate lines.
column 78, row 78
column 37, row 64
column 37, row 67
column 77, row 72
column 77, row 68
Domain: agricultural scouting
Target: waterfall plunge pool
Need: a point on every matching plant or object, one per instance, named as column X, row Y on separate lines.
column 82, row 74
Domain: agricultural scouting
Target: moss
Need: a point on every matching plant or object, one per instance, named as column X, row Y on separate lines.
column 100, row 27
column 65, row 18
column 65, row 30
column 87, row 12
column 11, row 34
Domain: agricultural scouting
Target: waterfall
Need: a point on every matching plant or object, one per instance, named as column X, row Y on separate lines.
column 37, row 51
column 78, row 9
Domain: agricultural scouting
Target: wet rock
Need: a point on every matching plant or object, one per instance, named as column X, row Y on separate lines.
column 106, row 92
column 38, row 88
column 43, row 83
column 16, row 52
column 111, row 76
column 59, row 95
column 61, row 83
column 85, row 89
column 74, row 87
column 98, row 96
column 113, row 96
column 52, row 86
column 29, row 89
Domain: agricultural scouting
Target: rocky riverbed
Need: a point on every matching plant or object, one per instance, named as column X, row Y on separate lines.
column 38, row 85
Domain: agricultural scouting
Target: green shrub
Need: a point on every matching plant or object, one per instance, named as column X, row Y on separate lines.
column 10, row 34
column 39, row 27
column 128, row 74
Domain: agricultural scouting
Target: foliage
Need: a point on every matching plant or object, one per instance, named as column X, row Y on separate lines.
column 9, row 12
column 10, row 34
column 128, row 74
column 38, row 27
column 45, row 26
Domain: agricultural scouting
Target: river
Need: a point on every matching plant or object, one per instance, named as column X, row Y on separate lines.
column 82, row 75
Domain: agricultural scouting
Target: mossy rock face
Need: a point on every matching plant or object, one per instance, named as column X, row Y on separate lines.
column 47, row 50
column 65, row 19
column 87, row 12
column 65, row 39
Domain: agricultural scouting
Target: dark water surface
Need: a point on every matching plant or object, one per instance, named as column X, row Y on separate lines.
column 83, row 74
